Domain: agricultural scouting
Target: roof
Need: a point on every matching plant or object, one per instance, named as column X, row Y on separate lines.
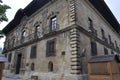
column 27, row 11
column 100, row 5
column 105, row 58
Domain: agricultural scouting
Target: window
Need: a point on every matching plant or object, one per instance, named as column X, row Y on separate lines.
column 33, row 52
column 37, row 30
column 50, row 66
column 93, row 48
column 50, row 48
column 32, row 67
column 23, row 36
column 103, row 34
column 90, row 23
column 53, row 23
column 109, row 39
column 9, row 57
column 105, row 51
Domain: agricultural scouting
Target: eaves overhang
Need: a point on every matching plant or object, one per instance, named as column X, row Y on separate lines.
column 27, row 11
column 100, row 5
column 104, row 10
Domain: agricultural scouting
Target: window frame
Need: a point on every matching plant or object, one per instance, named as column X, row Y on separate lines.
column 23, row 35
column 90, row 23
column 93, row 48
column 36, row 32
column 53, row 23
column 51, row 48
column 33, row 52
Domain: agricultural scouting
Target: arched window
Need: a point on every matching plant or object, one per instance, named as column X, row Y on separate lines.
column 24, row 33
column 23, row 36
column 32, row 67
column 50, row 66
column 37, row 27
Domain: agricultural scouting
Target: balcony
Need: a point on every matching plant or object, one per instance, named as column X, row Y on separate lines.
column 27, row 39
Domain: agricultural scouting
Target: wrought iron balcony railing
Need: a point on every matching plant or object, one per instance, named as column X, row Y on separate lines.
column 29, row 38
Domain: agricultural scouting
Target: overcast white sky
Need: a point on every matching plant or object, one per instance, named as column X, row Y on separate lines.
column 16, row 4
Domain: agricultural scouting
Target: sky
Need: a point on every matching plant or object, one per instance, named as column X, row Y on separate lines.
column 17, row 4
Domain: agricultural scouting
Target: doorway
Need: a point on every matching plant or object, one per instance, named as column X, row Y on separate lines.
column 18, row 63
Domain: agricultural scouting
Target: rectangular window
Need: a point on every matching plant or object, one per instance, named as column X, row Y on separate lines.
column 50, row 48
column 53, row 23
column 93, row 48
column 33, row 52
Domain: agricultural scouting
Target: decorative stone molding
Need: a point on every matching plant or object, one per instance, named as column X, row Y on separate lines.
column 52, row 14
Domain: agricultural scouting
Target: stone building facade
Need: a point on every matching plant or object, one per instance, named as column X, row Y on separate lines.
column 54, row 39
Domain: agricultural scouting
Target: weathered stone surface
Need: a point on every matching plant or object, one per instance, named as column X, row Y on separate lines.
column 72, row 41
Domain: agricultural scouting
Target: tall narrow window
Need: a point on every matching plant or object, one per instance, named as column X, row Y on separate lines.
column 105, row 51
column 9, row 57
column 37, row 27
column 103, row 34
column 23, row 36
column 109, row 39
column 93, row 48
column 53, row 23
column 33, row 52
column 90, row 23
column 50, row 48
column 50, row 66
